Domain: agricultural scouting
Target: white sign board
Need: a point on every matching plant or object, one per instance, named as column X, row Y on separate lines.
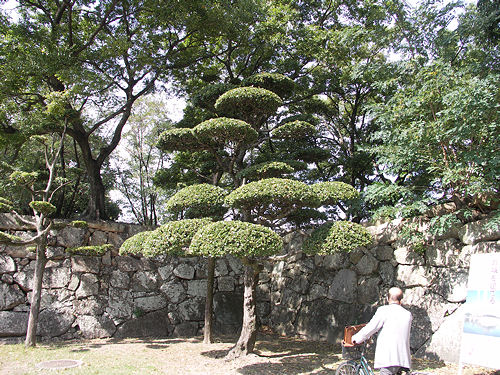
column 481, row 335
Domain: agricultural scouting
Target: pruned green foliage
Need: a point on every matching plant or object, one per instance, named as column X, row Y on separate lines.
column 79, row 224
column 236, row 238
column 5, row 205
column 276, row 192
column 9, row 238
column 295, row 130
column 42, row 207
column 266, row 170
column 133, row 245
column 250, row 104
column 278, row 83
column 23, row 178
column 220, row 131
column 336, row 237
column 208, row 95
column 172, row 238
column 95, row 250
column 202, row 200
column 333, row 192
column 178, row 140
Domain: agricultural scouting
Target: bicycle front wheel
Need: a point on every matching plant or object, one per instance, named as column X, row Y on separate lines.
column 347, row 368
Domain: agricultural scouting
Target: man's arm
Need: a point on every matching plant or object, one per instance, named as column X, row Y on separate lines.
column 367, row 331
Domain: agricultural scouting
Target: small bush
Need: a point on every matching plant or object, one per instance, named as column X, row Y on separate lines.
column 5, row 205
column 331, row 193
column 202, row 200
column 335, row 237
column 23, row 178
column 275, row 82
column 250, row 104
column 44, row 208
column 96, row 250
column 133, row 245
column 266, row 170
column 217, row 132
column 9, row 238
column 295, row 130
column 178, row 140
column 172, row 238
column 79, row 224
column 278, row 192
column 236, row 238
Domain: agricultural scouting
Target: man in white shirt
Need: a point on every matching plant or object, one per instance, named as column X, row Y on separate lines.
column 392, row 352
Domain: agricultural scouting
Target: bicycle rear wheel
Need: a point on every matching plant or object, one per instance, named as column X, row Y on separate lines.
column 347, row 368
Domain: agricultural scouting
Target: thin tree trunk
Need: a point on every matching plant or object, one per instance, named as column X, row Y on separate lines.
column 248, row 335
column 41, row 261
column 209, row 301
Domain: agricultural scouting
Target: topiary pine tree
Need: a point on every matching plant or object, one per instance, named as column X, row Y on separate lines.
column 245, row 147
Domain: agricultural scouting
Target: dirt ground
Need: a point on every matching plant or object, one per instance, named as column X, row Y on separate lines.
column 273, row 355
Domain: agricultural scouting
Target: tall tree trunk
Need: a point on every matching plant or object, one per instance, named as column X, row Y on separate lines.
column 248, row 335
column 96, row 208
column 209, row 301
column 41, row 261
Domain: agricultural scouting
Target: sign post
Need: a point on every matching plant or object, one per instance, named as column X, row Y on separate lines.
column 481, row 332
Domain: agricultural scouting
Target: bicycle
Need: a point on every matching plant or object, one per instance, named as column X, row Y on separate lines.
column 360, row 366
column 355, row 366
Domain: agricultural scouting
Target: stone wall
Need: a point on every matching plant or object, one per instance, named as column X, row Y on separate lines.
column 309, row 297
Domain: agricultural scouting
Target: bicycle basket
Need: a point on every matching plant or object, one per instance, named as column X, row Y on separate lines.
column 349, row 350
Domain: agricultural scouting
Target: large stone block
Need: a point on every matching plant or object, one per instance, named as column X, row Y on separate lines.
column 128, row 264
column 344, row 286
column 443, row 253
column 384, row 252
column 120, row 303
column 13, row 323
column 174, row 291
column 413, row 275
column 192, row 309
column 150, row 303
column 479, row 231
column 119, row 279
column 479, row 248
column 10, row 296
column 166, row 272
column 184, row 271
column 95, row 327
column 385, row 233
column 155, row 324
column 72, row 237
column 368, row 290
column 144, row 281
column 197, row 288
column 89, row 286
column 406, row 255
column 225, row 284
column 86, row 264
column 228, row 312
column 444, row 344
column 451, row 283
column 367, row 265
column 54, row 323
column 7, row 264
